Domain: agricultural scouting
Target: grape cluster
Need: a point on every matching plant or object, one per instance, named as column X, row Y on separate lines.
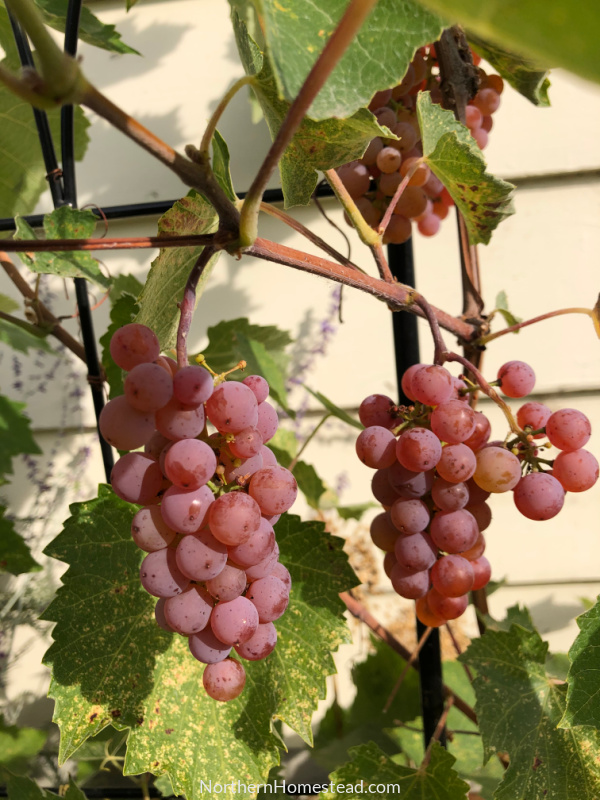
column 436, row 468
column 209, row 503
column 387, row 161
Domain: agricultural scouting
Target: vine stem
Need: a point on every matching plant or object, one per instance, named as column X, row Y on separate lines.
column 397, row 195
column 307, row 441
column 514, row 328
column 437, row 733
column 360, row 612
column 216, row 116
column 124, row 243
column 337, row 44
column 366, row 233
column 188, row 303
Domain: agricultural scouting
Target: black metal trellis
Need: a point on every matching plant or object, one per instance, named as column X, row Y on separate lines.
column 62, row 183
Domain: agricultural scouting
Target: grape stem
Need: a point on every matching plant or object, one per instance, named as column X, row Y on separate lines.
column 366, row 233
column 407, row 666
column 216, row 116
column 188, row 302
column 436, row 734
column 307, row 441
column 397, row 195
column 514, row 328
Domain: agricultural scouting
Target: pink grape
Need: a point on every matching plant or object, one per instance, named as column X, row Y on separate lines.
column 481, row 434
column 517, row 379
column 258, row 547
column 399, row 476
column 206, row 648
column 193, row 385
column 355, row 177
column 498, row 470
column 168, row 364
column 453, row 422
column 383, row 532
column 190, row 463
column 473, row 116
column 160, row 575
column 409, row 515
column 156, row 444
column 416, row 552
column 159, row 615
column 476, row 493
column 149, row 530
column 539, row 496
column 432, row 385
column 482, row 571
column 228, row 584
column 134, row 344
column 568, row 429
column 274, row 489
column 382, row 490
column 148, row 387
column 136, row 478
column 376, row 447
column 449, row 496
column 259, row 386
column 123, row 426
column 475, row 552
column 482, row 513
column 268, row 456
column 189, row 611
column 418, row 449
column 264, row 567
column 232, row 407
column 281, row 572
column 407, row 379
column 184, row 510
column 377, row 409
column 452, row 576
column 224, row 680
column 389, row 159
column 535, row 416
column 454, row 531
column 457, row 463
column 487, row 101
column 234, row 622
column 246, row 443
column 260, row 645
column 370, row 155
column 178, row 421
column 389, row 562
column 244, row 469
column 576, row 471
column 429, row 224
column 446, row 607
column 200, row 556
column 234, row 518
column 419, row 486
column 409, row 584
column 270, row 598
column 268, row 421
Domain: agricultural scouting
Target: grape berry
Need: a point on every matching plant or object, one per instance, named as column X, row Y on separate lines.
column 436, row 468
column 209, row 503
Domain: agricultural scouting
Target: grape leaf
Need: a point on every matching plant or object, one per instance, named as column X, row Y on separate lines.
column 15, row 434
column 453, row 155
column 285, row 446
column 21, row 788
column 15, row 555
column 316, row 145
column 522, row 74
column 125, row 284
column 19, row 744
column 583, row 694
column 549, row 32
column 7, row 304
column 309, row 483
column 519, row 707
column 377, row 58
column 91, row 29
column 7, row 40
column 370, row 766
column 121, row 669
column 334, row 410
column 223, row 350
column 355, row 511
column 515, row 615
column 122, row 313
column 260, row 362
column 23, row 337
column 170, row 270
column 23, row 173
column 220, row 165
column 502, row 308
column 63, row 223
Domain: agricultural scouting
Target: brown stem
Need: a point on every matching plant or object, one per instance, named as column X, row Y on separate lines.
column 382, row 263
column 50, row 322
column 397, row 195
column 188, row 303
column 459, row 651
column 360, row 612
column 513, row 328
column 440, row 348
column 306, row 232
column 407, row 666
column 337, row 44
column 126, row 243
column 195, row 173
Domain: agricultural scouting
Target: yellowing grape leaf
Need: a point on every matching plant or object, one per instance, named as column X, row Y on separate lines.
column 453, row 155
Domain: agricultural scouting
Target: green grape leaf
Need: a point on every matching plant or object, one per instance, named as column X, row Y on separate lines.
column 21, row 788
column 15, row 555
column 370, row 766
column 8, row 305
column 583, row 694
column 377, row 58
column 23, row 337
column 285, row 446
column 549, row 33
column 63, row 223
column 7, row 40
column 122, row 670
column 316, row 145
column 122, row 313
column 309, row 483
column 23, row 172
column 335, row 410
column 522, row 74
column 223, row 350
column 453, row 155
column 91, row 29
column 259, row 361
column 355, row 511
column 19, row 744
column 130, row 4
column 170, row 270
column 220, row 165
column 519, row 707
column 502, row 308
column 515, row 615
column 124, row 284
column 15, row 434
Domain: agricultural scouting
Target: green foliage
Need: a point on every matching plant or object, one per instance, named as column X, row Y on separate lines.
column 335, row 410
column 259, row 361
column 370, row 765
column 519, row 706
column 316, row 145
column 15, row 434
column 521, row 73
column 123, row 297
column 377, row 59
column 18, row 745
column 502, row 308
column 15, row 555
column 170, row 270
column 355, row 511
column 309, row 483
column 224, row 350
column 19, row 788
column 91, row 29
column 549, row 32
column 22, row 336
column 583, row 698
column 63, row 223
column 453, row 155
column 220, row 165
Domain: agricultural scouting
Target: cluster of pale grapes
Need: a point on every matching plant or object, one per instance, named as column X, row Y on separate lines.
column 372, row 180
column 436, row 468
column 209, row 503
